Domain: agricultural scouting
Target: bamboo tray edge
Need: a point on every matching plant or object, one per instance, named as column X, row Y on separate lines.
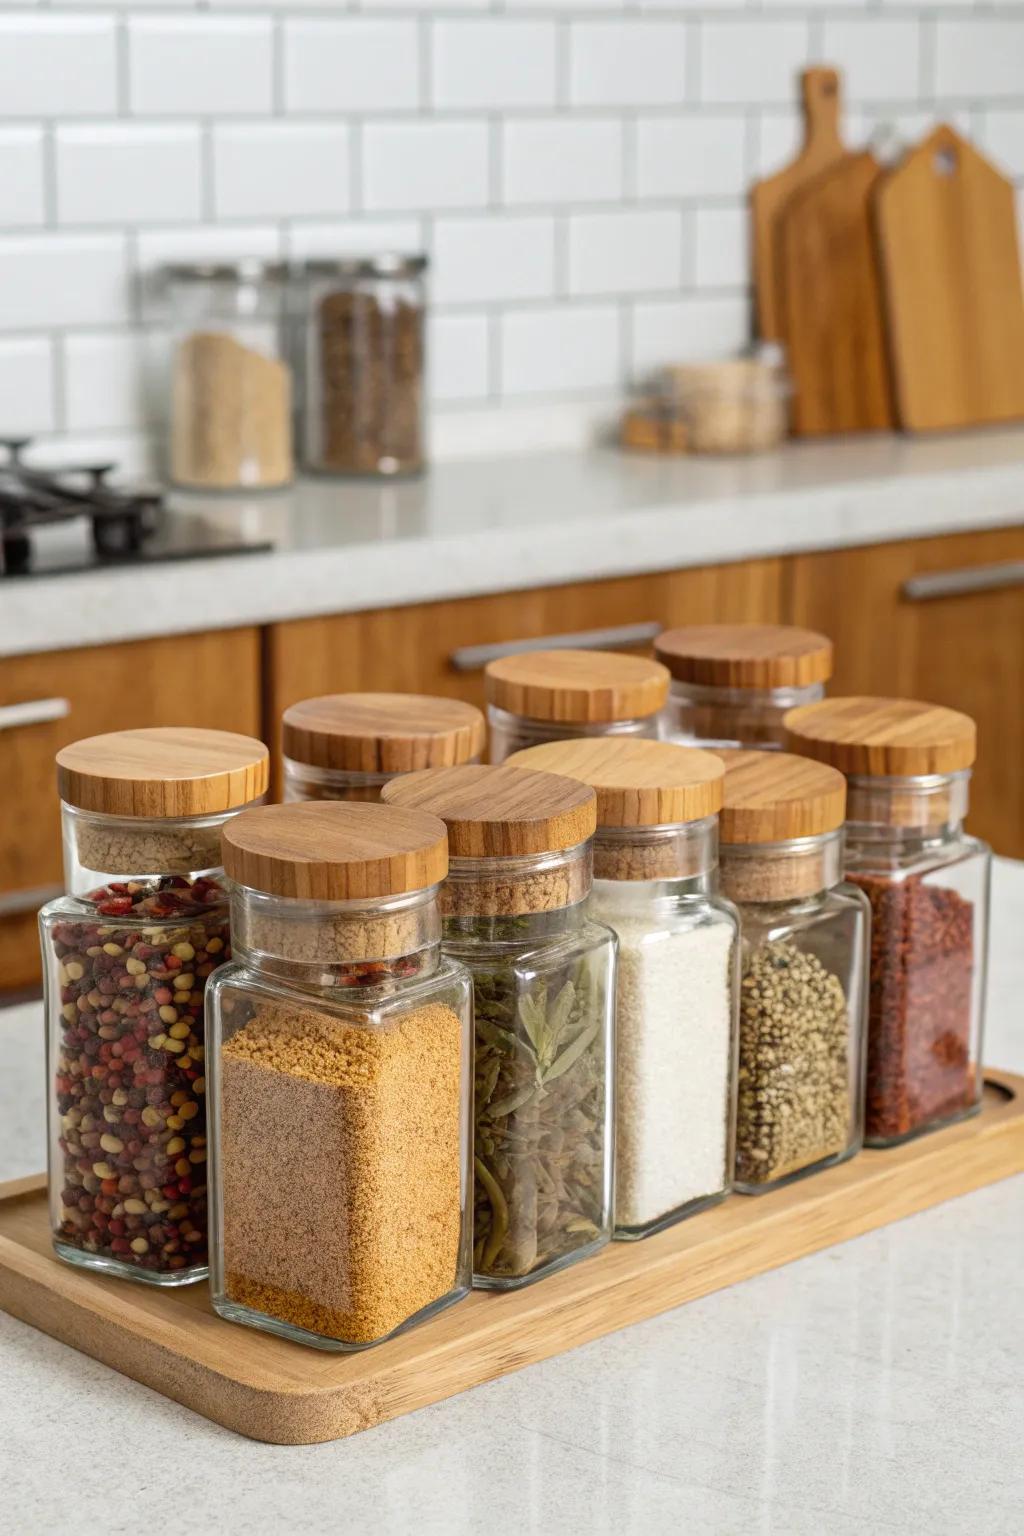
column 270, row 1390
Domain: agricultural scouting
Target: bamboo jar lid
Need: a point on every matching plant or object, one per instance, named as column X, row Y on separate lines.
column 770, row 797
column 382, row 732
column 495, row 812
column 746, row 655
column 638, row 783
column 162, row 772
column 583, row 686
column 333, row 850
column 898, row 738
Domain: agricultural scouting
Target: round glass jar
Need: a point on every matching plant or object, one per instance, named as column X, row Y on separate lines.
column 908, row 768
column 514, row 913
column 655, row 886
column 347, row 746
column 340, row 1067
column 538, row 696
column 126, row 958
column 803, row 988
column 363, row 343
column 732, row 683
column 231, row 390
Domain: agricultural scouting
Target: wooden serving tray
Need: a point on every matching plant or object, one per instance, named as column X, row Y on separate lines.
column 272, row 1390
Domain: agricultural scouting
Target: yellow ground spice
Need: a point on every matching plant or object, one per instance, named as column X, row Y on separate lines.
column 341, row 1175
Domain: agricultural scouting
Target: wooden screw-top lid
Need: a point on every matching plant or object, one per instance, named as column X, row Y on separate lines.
column 900, row 738
column 583, row 686
column 638, row 783
column 382, row 732
column 163, row 771
column 746, row 655
column 500, row 812
column 772, row 796
column 334, row 850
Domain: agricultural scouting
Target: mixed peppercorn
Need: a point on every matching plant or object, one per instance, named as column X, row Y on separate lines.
column 129, row 1070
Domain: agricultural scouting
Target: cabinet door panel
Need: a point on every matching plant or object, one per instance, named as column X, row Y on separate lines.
column 208, row 680
column 965, row 650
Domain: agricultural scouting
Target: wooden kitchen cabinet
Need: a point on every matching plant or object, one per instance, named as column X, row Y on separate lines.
column 409, row 650
column 964, row 649
column 206, row 680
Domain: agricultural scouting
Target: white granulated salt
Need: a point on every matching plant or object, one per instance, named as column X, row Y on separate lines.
column 673, row 1066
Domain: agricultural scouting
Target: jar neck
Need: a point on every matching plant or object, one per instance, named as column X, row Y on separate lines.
column 531, row 894
column 733, row 717
column 794, row 870
column 905, row 814
column 683, row 851
column 307, row 781
column 770, row 698
column 372, row 945
column 101, row 850
column 534, row 732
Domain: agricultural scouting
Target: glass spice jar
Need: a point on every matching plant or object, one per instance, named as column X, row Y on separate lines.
column 538, row 696
column 126, row 957
column 340, row 1067
column 363, row 344
column 908, row 767
column 655, row 885
column 803, row 988
column 346, row 746
column 732, row 683
column 514, row 912
column 231, row 400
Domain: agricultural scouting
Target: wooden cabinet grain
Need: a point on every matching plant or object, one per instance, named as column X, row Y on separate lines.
column 207, row 680
column 965, row 650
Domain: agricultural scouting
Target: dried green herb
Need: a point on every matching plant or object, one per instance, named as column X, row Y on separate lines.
column 540, row 1116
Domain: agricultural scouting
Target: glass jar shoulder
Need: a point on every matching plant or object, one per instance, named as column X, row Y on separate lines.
column 532, row 952
column 653, row 909
column 844, row 906
column 914, row 858
column 449, row 983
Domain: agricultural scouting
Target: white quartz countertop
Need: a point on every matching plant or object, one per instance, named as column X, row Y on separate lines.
column 872, row 1388
column 497, row 524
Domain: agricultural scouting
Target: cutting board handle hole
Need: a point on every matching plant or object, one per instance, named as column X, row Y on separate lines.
column 945, row 162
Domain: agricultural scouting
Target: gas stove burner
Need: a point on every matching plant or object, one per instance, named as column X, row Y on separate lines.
column 125, row 523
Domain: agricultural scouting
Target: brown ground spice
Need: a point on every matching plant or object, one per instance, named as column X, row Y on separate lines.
column 498, row 895
column 148, row 849
column 665, row 859
column 778, row 877
column 339, row 940
column 340, row 1167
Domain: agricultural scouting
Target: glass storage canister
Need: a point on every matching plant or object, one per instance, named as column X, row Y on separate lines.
column 514, row 911
column 231, row 395
column 732, row 683
column 346, row 746
column 538, row 696
column 655, row 884
column 803, row 988
column 340, row 1061
column 126, row 956
column 363, row 347
column 908, row 767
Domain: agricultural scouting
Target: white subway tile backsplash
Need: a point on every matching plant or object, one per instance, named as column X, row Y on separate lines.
column 121, row 173
column 562, row 160
column 27, row 385
column 425, row 165
column 1002, row 137
column 627, row 252
column 560, row 350
column 280, row 170
column 458, row 357
column 203, row 242
column 61, row 279
column 488, row 260
column 627, row 63
column 57, row 65
column 722, row 249
column 350, row 65
column 691, row 156
column 355, row 237
column 105, row 384
column 493, row 64
column 687, row 330
column 22, row 196
column 752, row 60
column 980, row 57
column 880, row 58
column 186, row 65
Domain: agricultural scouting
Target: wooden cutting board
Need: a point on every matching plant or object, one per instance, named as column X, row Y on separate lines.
column 831, row 302
column 947, row 235
column 822, row 145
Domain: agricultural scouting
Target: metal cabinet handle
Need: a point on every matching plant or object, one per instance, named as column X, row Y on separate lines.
column 33, row 712
column 973, row 578
column 472, row 658
column 14, row 903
